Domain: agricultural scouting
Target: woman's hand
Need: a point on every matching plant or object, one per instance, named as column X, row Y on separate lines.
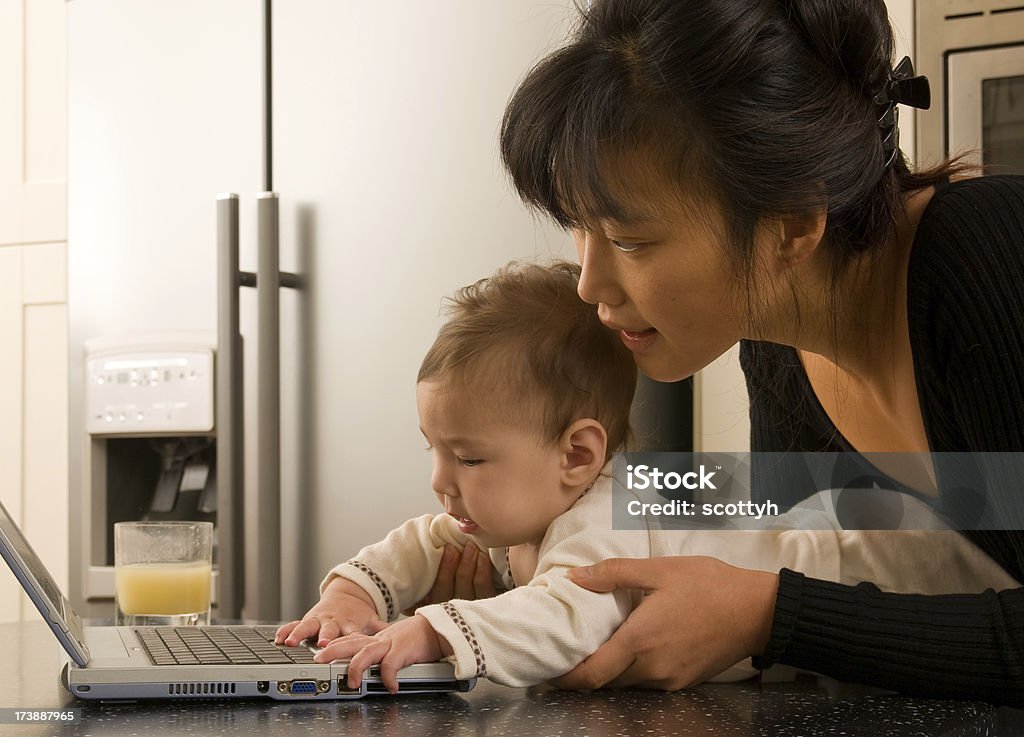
column 465, row 574
column 410, row 641
column 343, row 608
column 698, row 617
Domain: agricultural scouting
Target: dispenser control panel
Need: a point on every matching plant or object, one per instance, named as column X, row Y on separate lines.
column 149, row 391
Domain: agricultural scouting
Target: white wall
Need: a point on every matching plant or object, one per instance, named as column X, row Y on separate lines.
column 33, row 285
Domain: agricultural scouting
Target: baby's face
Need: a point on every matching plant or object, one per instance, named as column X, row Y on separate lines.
column 501, row 481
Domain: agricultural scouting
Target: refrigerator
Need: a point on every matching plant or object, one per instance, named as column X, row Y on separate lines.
column 376, row 124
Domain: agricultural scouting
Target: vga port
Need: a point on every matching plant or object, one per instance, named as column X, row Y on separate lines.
column 303, row 687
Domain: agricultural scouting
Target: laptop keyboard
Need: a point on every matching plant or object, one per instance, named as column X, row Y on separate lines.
column 218, row 646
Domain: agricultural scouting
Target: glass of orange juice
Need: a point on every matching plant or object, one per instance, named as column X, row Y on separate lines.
column 162, row 573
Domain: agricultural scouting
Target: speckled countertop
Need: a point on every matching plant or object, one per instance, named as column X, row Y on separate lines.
column 802, row 707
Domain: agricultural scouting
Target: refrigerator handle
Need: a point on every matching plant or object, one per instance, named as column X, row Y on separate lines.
column 265, row 590
column 267, row 550
column 229, row 416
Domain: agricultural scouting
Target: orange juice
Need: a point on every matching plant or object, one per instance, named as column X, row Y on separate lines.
column 163, row 588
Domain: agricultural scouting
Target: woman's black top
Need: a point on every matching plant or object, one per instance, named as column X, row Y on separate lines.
column 966, row 318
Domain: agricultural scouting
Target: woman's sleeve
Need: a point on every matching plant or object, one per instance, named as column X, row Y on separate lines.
column 961, row 646
column 970, row 366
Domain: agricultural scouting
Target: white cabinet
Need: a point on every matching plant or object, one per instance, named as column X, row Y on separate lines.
column 33, row 130
column 33, row 283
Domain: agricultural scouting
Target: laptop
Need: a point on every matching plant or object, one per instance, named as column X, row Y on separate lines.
column 208, row 662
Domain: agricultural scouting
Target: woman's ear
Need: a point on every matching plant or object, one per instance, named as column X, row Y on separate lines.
column 583, row 446
column 796, row 238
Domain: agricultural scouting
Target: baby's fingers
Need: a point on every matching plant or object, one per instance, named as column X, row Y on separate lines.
column 284, row 630
column 389, row 667
column 371, row 654
column 295, row 632
column 329, row 630
column 342, row 648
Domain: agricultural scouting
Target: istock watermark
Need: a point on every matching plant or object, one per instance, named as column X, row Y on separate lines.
column 645, row 477
column 822, row 491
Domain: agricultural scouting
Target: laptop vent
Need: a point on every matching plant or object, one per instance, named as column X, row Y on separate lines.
column 200, row 689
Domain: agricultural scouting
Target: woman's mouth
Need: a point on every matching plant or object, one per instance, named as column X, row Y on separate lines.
column 638, row 341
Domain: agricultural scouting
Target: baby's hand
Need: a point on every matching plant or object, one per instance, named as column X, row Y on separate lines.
column 410, row 641
column 344, row 608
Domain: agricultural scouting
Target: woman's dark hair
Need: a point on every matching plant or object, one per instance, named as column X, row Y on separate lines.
column 764, row 105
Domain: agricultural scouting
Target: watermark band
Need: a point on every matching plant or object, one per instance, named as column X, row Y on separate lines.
column 871, row 491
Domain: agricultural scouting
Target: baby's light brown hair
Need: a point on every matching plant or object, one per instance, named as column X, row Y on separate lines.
column 524, row 340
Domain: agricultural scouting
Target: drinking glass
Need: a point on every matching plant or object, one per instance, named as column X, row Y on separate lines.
column 162, row 573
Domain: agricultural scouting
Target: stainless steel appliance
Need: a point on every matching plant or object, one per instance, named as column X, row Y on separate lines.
column 972, row 51
column 150, row 451
column 377, row 125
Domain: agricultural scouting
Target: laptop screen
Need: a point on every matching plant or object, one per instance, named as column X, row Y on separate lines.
column 40, row 586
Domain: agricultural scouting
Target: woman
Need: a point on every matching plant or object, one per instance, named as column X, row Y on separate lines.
column 731, row 172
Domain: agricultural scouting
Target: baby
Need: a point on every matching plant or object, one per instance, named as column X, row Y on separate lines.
column 523, row 399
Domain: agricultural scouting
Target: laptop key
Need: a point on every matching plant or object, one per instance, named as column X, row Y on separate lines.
column 218, row 646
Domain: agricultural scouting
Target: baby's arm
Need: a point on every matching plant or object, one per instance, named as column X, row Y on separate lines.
column 382, row 579
column 522, row 637
column 399, row 571
column 541, row 630
column 532, row 633
column 923, row 557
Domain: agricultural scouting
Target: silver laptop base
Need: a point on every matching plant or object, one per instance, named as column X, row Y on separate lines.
column 306, row 689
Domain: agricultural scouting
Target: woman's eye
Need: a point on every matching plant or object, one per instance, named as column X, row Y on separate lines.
column 470, row 462
column 626, row 247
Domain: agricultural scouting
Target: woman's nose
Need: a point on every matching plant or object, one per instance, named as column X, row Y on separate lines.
column 597, row 284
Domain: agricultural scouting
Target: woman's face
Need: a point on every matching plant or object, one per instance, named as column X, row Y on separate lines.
column 666, row 285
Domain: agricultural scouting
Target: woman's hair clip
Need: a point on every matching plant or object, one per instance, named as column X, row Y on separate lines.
column 902, row 87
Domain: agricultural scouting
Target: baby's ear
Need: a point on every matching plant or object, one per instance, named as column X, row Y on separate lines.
column 583, row 444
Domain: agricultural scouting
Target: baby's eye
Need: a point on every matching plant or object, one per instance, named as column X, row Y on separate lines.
column 470, row 462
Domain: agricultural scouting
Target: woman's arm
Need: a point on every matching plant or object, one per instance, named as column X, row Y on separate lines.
column 963, row 646
column 698, row 617
column 953, row 646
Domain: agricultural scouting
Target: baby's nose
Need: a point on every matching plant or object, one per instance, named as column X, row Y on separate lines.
column 443, row 485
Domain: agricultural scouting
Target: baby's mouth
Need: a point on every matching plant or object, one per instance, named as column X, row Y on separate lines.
column 467, row 525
